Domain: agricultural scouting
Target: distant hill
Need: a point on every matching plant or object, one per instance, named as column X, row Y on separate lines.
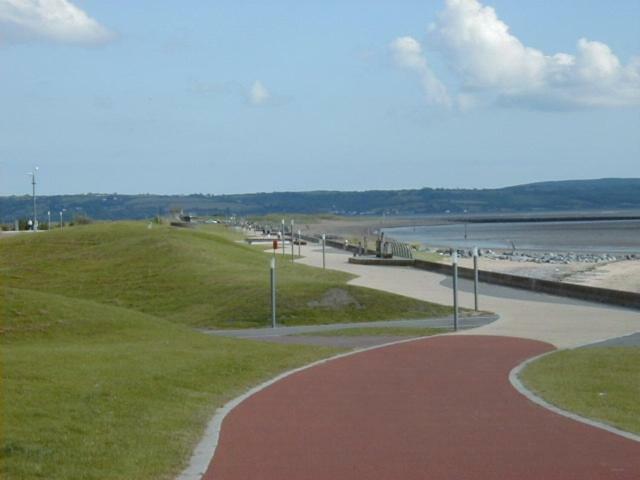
column 571, row 195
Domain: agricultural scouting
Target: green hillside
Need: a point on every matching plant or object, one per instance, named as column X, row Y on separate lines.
column 570, row 195
column 199, row 278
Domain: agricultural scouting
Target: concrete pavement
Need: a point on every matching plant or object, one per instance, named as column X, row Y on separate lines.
column 565, row 323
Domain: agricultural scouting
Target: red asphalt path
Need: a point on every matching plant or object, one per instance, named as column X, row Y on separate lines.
column 439, row 408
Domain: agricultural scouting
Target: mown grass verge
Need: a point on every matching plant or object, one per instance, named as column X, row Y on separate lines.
column 598, row 383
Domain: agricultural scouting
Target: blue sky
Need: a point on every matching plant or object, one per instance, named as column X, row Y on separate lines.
column 233, row 96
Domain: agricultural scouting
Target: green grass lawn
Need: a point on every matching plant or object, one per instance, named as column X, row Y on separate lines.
column 598, row 383
column 103, row 375
column 378, row 331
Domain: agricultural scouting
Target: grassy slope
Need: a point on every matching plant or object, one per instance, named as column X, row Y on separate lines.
column 192, row 277
column 102, row 375
column 599, row 383
column 98, row 392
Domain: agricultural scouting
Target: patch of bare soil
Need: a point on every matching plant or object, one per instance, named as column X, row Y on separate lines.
column 335, row 299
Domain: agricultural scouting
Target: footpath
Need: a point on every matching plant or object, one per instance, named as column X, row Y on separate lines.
column 436, row 408
column 562, row 322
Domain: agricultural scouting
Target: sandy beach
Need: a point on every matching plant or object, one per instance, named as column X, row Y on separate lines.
column 620, row 275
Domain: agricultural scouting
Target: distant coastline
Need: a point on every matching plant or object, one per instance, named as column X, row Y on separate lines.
column 601, row 197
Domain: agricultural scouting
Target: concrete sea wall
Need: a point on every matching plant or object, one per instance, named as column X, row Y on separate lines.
column 580, row 292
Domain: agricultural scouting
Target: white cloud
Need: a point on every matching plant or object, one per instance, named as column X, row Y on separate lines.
column 53, row 20
column 255, row 94
column 407, row 53
column 258, row 93
column 489, row 61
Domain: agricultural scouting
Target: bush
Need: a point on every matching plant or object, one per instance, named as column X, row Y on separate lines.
column 81, row 219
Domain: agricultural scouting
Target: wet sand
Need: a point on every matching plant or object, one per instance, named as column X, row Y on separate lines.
column 619, row 275
column 596, row 237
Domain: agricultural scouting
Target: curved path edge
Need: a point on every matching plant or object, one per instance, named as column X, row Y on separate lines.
column 514, row 378
column 206, row 448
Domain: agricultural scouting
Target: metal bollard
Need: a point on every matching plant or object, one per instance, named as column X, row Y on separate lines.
column 454, row 258
column 475, row 277
column 273, row 293
column 324, row 264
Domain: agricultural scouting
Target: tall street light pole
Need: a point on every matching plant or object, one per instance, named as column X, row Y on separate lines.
column 33, row 185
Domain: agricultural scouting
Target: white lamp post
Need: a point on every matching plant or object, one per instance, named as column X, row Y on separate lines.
column 283, row 253
column 292, row 254
column 33, row 185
